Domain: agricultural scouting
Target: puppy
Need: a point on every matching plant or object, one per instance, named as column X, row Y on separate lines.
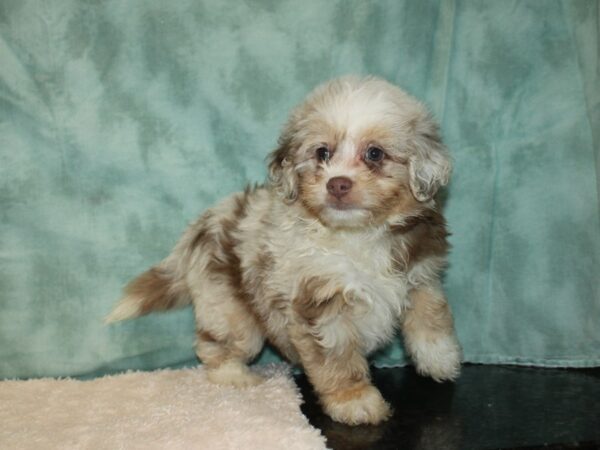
column 343, row 245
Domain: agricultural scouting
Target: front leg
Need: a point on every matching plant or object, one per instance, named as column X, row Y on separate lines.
column 329, row 348
column 429, row 337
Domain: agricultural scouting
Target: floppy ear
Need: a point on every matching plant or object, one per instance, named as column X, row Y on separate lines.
column 429, row 164
column 282, row 175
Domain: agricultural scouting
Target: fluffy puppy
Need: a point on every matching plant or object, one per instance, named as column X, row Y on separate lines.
column 343, row 245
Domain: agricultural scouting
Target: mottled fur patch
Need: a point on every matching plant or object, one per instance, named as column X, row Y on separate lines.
column 156, row 289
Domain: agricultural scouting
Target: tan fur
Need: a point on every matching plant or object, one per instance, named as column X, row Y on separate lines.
column 154, row 287
column 428, row 332
column 327, row 280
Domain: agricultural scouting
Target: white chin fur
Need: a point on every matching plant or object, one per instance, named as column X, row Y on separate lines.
column 345, row 217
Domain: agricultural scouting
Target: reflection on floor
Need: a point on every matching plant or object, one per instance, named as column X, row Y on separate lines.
column 489, row 407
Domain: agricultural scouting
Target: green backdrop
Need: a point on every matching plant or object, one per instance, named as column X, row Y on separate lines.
column 120, row 121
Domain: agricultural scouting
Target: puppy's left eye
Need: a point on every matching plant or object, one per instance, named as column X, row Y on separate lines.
column 323, row 154
column 374, row 154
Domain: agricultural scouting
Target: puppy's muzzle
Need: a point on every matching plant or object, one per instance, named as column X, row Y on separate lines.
column 339, row 186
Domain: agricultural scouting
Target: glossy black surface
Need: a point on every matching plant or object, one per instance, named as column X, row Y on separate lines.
column 489, row 407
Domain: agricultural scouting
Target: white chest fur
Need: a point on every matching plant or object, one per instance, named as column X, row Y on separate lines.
column 360, row 264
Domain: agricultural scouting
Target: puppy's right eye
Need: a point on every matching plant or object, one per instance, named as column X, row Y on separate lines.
column 323, row 154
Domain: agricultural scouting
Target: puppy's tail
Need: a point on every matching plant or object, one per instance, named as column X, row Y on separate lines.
column 157, row 289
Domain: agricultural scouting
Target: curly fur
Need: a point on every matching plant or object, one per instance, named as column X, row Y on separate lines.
column 327, row 278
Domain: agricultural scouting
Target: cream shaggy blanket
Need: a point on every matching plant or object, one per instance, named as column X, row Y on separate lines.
column 166, row 409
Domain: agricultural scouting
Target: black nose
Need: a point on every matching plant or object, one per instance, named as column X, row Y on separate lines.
column 339, row 186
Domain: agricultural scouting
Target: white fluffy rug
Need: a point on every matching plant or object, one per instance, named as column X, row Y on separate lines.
column 167, row 409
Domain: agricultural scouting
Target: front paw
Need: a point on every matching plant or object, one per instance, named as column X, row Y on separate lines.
column 357, row 405
column 233, row 373
column 438, row 358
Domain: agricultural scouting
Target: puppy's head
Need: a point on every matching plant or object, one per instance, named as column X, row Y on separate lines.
column 357, row 152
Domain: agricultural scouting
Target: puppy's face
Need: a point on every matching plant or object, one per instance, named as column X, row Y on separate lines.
column 358, row 152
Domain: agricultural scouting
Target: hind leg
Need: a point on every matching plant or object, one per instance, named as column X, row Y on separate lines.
column 228, row 333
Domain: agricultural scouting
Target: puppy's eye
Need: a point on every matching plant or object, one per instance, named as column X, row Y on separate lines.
column 374, row 154
column 323, row 154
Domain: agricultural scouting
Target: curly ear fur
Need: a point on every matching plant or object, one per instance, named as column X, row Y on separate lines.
column 429, row 165
column 282, row 175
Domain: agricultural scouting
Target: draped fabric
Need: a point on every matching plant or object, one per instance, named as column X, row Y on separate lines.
column 120, row 121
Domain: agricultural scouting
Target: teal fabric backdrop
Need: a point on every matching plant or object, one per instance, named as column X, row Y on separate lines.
column 120, row 121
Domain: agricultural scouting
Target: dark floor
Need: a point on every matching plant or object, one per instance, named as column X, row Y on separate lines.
column 489, row 407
